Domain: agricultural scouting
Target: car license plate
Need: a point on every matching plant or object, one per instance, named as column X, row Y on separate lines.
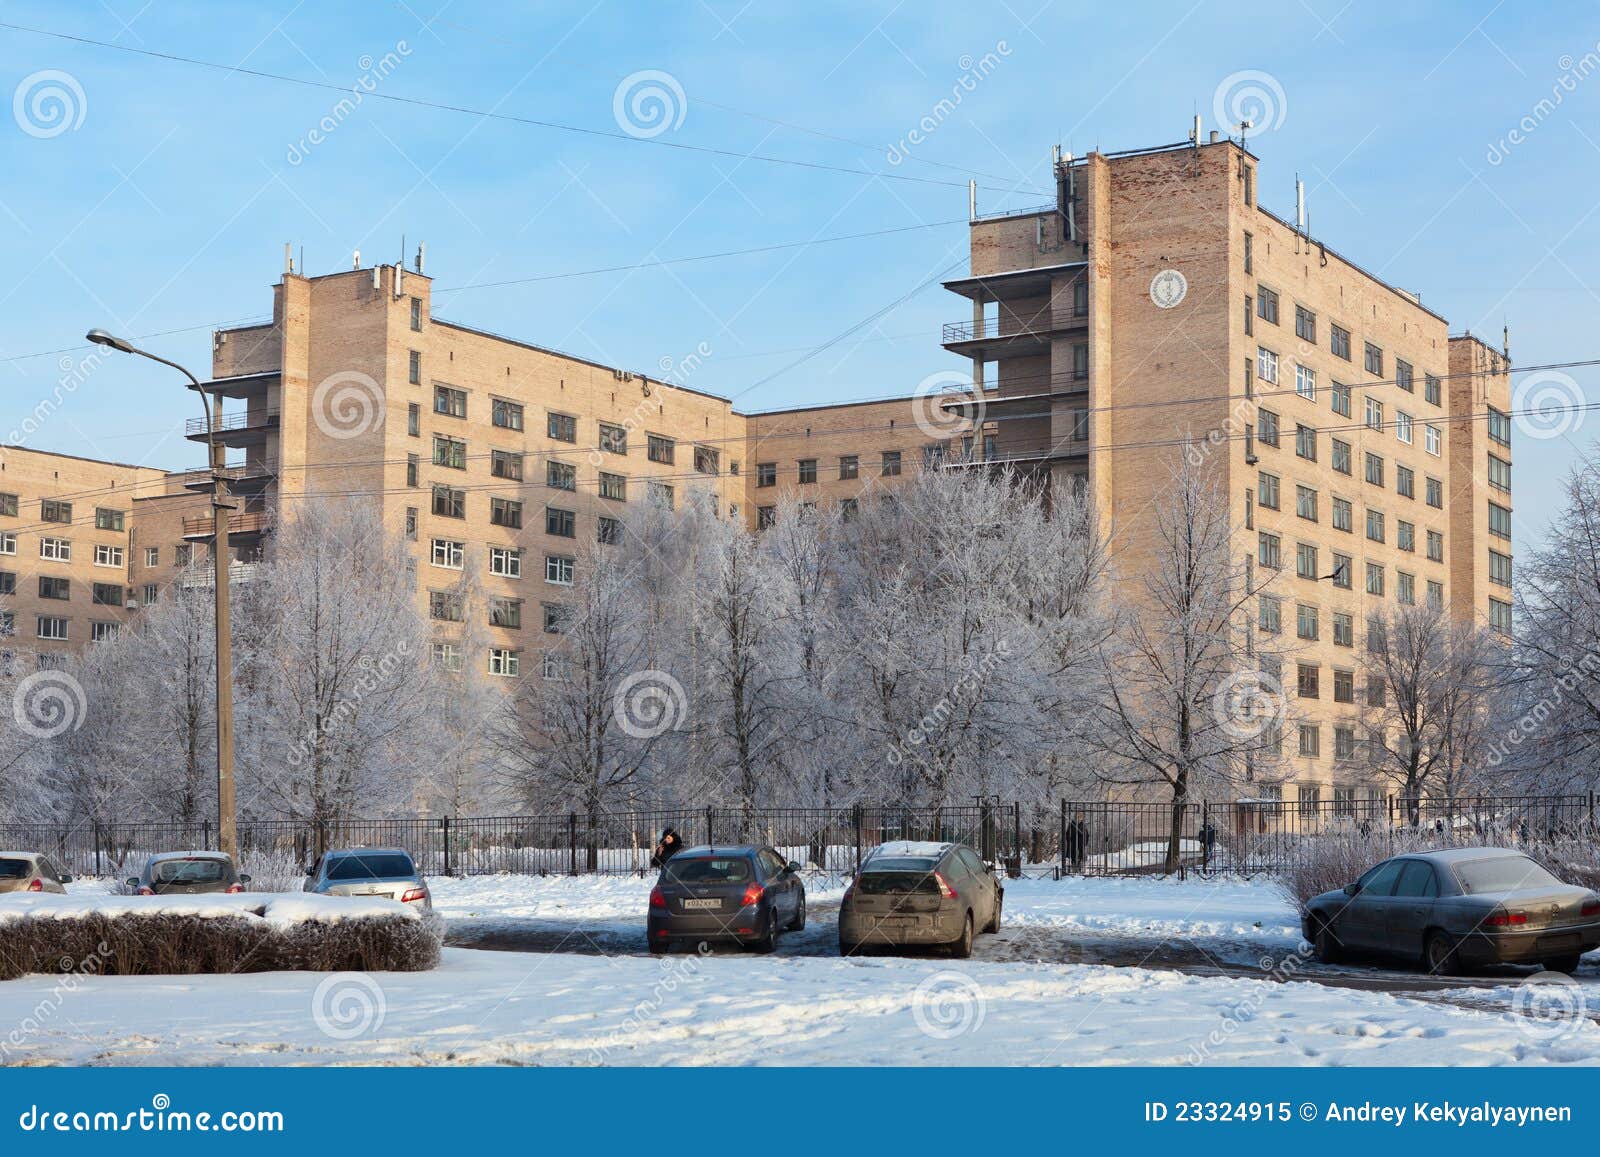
column 702, row 903
column 1563, row 942
column 903, row 921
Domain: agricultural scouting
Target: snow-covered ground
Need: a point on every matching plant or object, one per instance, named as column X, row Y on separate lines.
column 805, row 1006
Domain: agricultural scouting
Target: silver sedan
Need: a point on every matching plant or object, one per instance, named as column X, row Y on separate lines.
column 379, row 873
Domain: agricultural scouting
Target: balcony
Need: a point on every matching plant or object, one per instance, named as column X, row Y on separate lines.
column 1008, row 337
column 244, row 477
column 237, row 431
column 248, row 526
column 204, row 577
column 242, row 385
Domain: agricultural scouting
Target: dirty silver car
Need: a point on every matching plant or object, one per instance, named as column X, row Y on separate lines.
column 1456, row 908
column 379, row 873
column 937, row 895
column 186, row 873
column 30, row 872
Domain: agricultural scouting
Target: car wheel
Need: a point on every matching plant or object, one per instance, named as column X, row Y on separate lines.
column 799, row 921
column 962, row 948
column 1567, row 964
column 1326, row 945
column 1439, row 955
column 768, row 940
column 999, row 902
column 851, row 948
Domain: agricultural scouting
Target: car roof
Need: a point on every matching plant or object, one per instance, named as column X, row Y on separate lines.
column 20, row 855
column 912, row 849
column 717, row 850
column 1462, row 855
column 196, row 855
column 333, row 853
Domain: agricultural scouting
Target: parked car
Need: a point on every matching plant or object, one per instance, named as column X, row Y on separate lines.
column 182, row 873
column 30, row 872
column 744, row 893
column 383, row 873
column 1457, row 908
column 915, row 893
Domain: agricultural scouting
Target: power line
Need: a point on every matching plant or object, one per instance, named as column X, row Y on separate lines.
column 490, row 114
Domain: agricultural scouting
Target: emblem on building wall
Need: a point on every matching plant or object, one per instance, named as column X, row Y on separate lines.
column 1168, row 287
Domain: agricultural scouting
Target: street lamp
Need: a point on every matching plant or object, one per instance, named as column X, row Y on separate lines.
column 227, row 831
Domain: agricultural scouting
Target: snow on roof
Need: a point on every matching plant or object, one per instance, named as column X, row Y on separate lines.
column 195, row 855
column 928, row 849
column 20, row 855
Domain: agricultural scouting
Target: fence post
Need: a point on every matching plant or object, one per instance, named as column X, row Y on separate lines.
column 99, row 868
column 445, row 822
column 711, row 828
column 859, row 816
column 572, row 843
column 1205, row 831
column 1063, row 846
column 205, row 834
column 1016, row 834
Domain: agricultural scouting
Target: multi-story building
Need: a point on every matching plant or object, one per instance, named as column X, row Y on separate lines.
column 1154, row 307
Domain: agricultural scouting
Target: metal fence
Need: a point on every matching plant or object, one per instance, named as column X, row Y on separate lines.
column 1040, row 838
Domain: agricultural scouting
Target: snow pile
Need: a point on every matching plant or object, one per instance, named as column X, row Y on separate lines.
column 274, row 908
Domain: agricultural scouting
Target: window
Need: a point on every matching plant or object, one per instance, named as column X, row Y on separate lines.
column 1405, row 535
column 449, row 401
column 807, row 470
column 1305, row 324
column 1404, row 376
column 1435, row 595
column 1405, row 481
column 503, row 662
column 151, row 590
column 1305, row 382
column 8, row 505
column 1499, row 427
column 613, row 486
column 1267, row 493
column 1432, row 439
column 107, row 555
column 414, row 368
column 1499, row 521
column 1080, row 298
column 1310, row 748
column 1375, row 578
column 1435, row 493
column 1374, row 525
column 1430, row 388
column 184, row 553
column 561, row 523
column 1344, row 747
column 505, row 561
column 414, row 420
column 1267, row 428
column 1305, row 502
column 1339, row 342
column 52, row 510
column 613, row 439
column 1500, row 615
column 416, row 313
column 1499, row 474
column 152, row 556
column 51, row 627
column 508, row 416
column 1405, row 588
column 1249, row 315
column 55, row 588
column 1308, row 678
column 1343, row 570
column 1435, row 546
column 1269, row 615
column 1080, row 362
column 106, row 594
column 659, row 493
column 1267, row 304
column 1342, row 514
column 1374, row 360
column 847, row 509
column 102, row 632
column 449, row 553
column 707, row 460
column 447, row 655
column 1269, row 551
column 1376, row 692
column 8, row 542
column 1340, row 398
column 108, row 519
column 1305, row 560
column 413, row 464
column 561, row 475
column 506, row 613
column 1266, row 365
column 891, row 463
column 1344, row 631
column 1341, row 455
column 558, row 569
column 1249, row 376
column 1080, row 425
column 449, row 503
column 1402, row 426
column 1374, row 414
column 608, row 531
column 659, row 449
column 849, row 467
column 54, row 550
column 559, row 427
column 411, row 523
column 505, row 464
column 766, row 516
column 445, row 606
column 506, row 512
column 1305, row 622
column 1305, row 442
column 451, row 452
column 1499, row 568
column 1374, row 469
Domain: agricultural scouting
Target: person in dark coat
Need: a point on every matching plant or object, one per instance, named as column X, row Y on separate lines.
column 1077, row 842
column 670, row 845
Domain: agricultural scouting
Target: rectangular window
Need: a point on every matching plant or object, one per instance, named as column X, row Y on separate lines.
column 1499, row 427
column 1340, row 398
column 1080, row 362
column 505, row 561
column 1435, row 595
column 451, row 452
column 184, row 553
column 1435, row 546
column 1376, row 690
column 561, row 475
column 1404, row 376
column 1405, row 588
column 53, row 510
column 53, row 628
column 558, row 569
column 8, row 505
column 1435, row 493
column 1430, row 389
column 849, row 467
column 766, row 474
column 1374, row 469
column 101, row 632
column 1305, row 442
column 1270, row 614
column 152, row 556
column 1339, row 342
column 413, row 466
column 506, row 512
column 107, row 555
column 608, row 531
column 444, row 606
column 55, row 549
column 1267, row 428
column 1249, row 316
column 1341, row 455
column 411, row 523
column 807, row 470
column 416, row 314
column 556, row 618
column 1500, row 615
column 1405, row 481
column 1405, row 535
column 659, row 493
column 1308, row 680
column 151, row 591
column 506, row 613
column 558, row 427
column 1305, row 502
column 1269, row 551
column 891, row 463
column 1342, row 514
column 449, row 401
column 613, row 439
column 1499, row 521
column 1305, row 560
column 505, row 464
column 447, row 655
column 1305, row 382
column 1500, row 474
column 504, row 662
column 1499, row 568
column 1310, row 748
column 55, row 588
column 766, row 516
column 1344, row 631
column 1344, row 747
column 1402, row 426
column 1267, row 304
column 414, row 368
column 561, row 523
column 659, row 449
column 1375, row 525
column 1374, row 414
column 1343, row 571
column 1305, row 324
column 414, row 420
column 1374, row 361
column 108, row 519
column 1305, row 622
column 449, row 553
column 1266, row 365
column 614, row 487
column 449, row 502
column 1267, row 492
column 707, row 460
column 1375, row 578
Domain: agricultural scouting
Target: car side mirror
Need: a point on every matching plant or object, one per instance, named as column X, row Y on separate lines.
column 66, row 879
column 244, row 877
column 794, row 866
column 132, row 881
column 1352, row 889
column 312, row 870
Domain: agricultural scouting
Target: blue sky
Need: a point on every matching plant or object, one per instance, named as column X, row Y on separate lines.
column 161, row 203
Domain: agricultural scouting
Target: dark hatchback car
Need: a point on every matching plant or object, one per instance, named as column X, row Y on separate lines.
column 184, row 873
column 1456, row 908
column 743, row 893
column 937, row 895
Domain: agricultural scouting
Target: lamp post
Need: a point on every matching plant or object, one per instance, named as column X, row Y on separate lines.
column 227, row 831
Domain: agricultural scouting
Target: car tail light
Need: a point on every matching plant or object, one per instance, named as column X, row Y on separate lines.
column 752, row 895
column 1591, row 906
column 658, row 898
column 232, row 888
column 848, row 892
column 414, row 895
column 36, row 885
column 144, row 891
column 945, row 889
column 1503, row 919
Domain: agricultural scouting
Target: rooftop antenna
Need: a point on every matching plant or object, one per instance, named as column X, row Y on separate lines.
column 1194, row 133
column 422, row 252
column 972, row 200
column 1244, row 127
column 288, row 257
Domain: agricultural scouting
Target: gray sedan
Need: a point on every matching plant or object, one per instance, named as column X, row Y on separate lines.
column 380, row 873
column 1456, row 908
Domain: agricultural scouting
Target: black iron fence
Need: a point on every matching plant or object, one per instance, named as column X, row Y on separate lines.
column 1035, row 839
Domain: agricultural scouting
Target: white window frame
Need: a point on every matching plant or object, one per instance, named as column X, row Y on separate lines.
column 505, row 561
column 1374, row 414
column 55, row 549
column 1266, row 365
column 106, row 550
column 66, row 628
column 504, row 662
column 560, row 566
column 1305, row 382
column 1403, row 427
column 452, row 549
column 1432, row 439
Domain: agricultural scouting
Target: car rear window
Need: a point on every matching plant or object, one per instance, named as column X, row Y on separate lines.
column 383, row 865
column 189, row 871
column 706, row 870
column 15, row 869
column 880, row 883
column 902, row 864
column 1503, row 874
